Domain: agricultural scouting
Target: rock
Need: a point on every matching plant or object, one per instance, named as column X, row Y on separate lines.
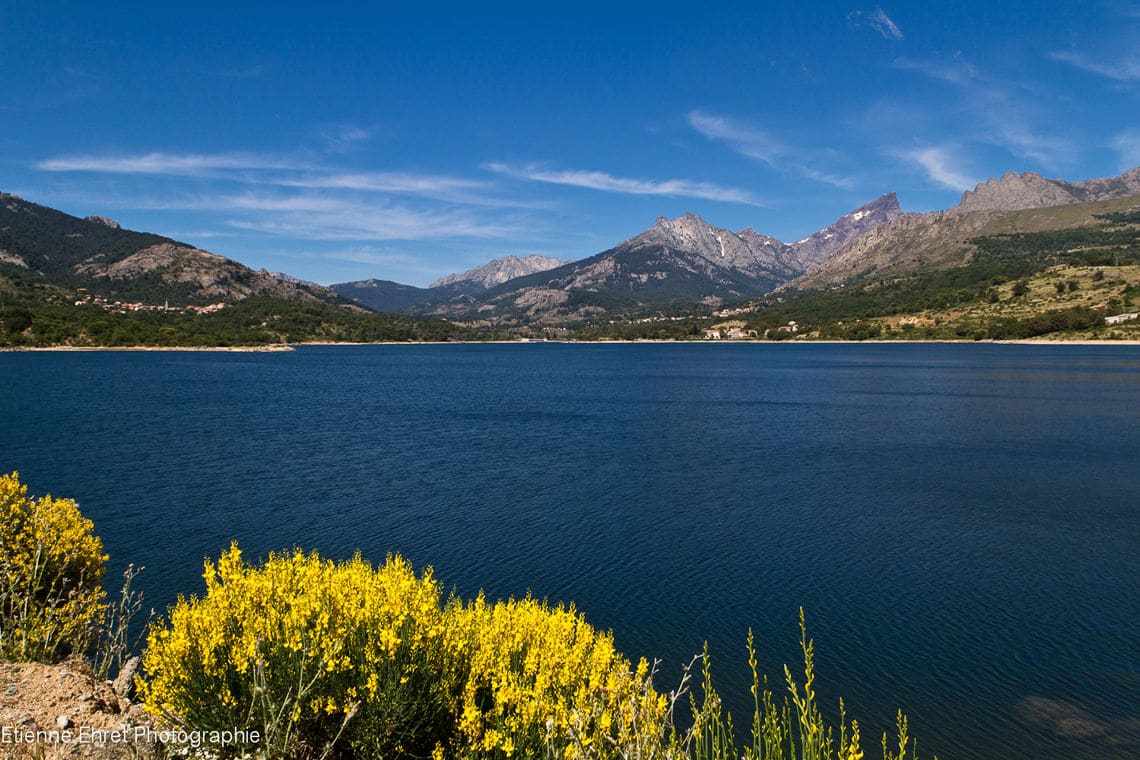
column 17, row 717
column 11, row 689
column 1030, row 190
column 105, row 221
column 63, row 721
column 1061, row 718
column 124, row 684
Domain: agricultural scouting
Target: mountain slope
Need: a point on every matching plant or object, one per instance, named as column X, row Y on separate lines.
column 396, row 298
column 1015, row 203
column 815, row 249
column 683, row 259
column 66, row 281
column 675, row 261
column 385, row 295
column 1068, row 271
column 55, row 248
column 497, row 271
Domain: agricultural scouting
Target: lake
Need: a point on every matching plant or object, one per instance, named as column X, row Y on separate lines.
column 961, row 523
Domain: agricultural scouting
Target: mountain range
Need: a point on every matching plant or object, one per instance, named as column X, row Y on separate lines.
column 395, row 297
column 676, row 264
column 680, row 260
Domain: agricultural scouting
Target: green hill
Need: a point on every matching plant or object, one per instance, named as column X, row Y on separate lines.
column 86, row 282
column 1025, row 276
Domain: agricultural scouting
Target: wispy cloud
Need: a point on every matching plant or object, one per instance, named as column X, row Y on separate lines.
column 1023, row 140
column 322, row 218
column 758, row 145
column 393, row 261
column 595, row 180
column 746, row 140
column 449, row 188
column 940, row 167
column 305, row 198
column 956, row 71
column 1126, row 69
column 183, row 165
column 1127, row 144
column 342, row 138
column 369, row 254
column 883, row 24
column 878, row 20
column 1004, row 114
column 284, row 171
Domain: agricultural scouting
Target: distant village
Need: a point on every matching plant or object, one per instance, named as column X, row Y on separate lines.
column 739, row 332
column 122, row 307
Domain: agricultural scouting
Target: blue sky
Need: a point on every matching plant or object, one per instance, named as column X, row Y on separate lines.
column 341, row 141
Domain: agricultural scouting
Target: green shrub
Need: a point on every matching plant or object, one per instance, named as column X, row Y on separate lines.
column 51, row 573
column 791, row 729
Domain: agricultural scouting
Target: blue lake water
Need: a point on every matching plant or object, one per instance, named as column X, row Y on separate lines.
column 961, row 523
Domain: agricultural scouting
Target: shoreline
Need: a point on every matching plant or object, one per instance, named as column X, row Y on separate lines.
column 278, row 347
column 237, row 349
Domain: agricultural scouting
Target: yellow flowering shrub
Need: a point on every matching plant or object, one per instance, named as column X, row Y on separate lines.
column 307, row 652
column 542, row 680
column 317, row 655
column 51, row 574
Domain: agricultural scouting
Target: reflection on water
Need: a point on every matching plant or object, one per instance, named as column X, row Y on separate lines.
column 1083, row 733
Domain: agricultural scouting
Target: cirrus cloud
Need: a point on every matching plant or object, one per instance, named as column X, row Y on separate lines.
column 940, row 167
column 758, row 145
column 185, row 164
column 597, row 180
column 878, row 20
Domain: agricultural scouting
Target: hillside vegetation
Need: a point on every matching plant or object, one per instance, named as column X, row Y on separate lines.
column 1012, row 284
column 52, row 320
column 66, row 281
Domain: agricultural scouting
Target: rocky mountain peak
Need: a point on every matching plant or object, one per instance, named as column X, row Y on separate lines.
column 687, row 232
column 816, row 248
column 686, row 222
column 1014, row 191
column 746, row 253
column 498, row 271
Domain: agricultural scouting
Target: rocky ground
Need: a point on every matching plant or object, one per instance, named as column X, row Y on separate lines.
column 64, row 711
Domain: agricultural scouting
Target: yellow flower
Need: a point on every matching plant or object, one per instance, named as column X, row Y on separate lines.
column 51, row 573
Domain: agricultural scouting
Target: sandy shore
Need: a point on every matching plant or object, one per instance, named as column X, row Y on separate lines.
column 244, row 349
